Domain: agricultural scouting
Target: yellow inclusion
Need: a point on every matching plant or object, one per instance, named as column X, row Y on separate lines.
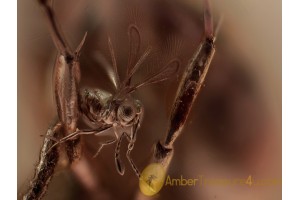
column 152, row 179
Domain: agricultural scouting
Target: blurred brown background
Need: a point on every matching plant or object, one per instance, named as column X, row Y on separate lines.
column 234, row 129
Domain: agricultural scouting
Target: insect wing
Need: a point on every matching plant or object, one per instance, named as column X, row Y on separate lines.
column 165, row 73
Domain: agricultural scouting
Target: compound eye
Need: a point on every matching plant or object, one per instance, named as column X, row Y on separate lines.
column 126, row 112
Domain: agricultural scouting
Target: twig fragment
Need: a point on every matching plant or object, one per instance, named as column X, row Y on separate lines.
column 189, row 88
column 45, row 168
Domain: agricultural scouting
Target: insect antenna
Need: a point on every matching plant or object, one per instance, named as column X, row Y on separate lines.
column 134, row 48
column 125, row 85
column 116, row 79
column 171, row 68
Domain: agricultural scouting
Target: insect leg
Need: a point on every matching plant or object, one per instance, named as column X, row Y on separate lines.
column 130, row 147
column 64, row 139
column 119, row 164
column 102, row 145
column 75, row 134
column 131, row 139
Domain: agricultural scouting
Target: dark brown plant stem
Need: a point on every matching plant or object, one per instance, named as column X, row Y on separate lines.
column 73, row 149
column 67, row 77
column 45, row 168
column 191, row 83
column 189, row 88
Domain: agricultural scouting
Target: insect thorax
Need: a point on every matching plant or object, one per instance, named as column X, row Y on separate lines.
column 93, row 101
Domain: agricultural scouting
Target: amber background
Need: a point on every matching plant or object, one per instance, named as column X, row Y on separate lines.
column 234, row 129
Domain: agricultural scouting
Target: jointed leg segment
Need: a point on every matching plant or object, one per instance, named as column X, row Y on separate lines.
column 119, row 163
column 102, row 145
column 130, row 147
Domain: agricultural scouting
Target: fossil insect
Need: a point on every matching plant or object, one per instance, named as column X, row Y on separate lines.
column 150, row 179
column 101, row 110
